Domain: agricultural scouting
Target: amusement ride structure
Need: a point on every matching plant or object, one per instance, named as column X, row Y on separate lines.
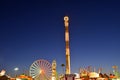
column 41, row 70
column 54, row 73
column 66, row 24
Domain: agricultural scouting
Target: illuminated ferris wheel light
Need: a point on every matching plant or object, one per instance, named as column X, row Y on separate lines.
column 41, row 71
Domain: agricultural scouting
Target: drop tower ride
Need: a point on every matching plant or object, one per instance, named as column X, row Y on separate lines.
column 66, row 24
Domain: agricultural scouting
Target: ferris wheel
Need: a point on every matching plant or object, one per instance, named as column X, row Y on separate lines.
column 41, row 70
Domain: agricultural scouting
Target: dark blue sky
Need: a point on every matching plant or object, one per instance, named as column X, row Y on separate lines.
column 32, row 30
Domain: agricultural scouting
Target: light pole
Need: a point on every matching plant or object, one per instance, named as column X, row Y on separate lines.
column 16, row 69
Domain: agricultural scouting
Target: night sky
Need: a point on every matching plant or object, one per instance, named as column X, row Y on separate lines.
column 32, row 30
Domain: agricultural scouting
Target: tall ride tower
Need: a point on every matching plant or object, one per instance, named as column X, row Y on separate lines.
column 54, row 65
column 66, row 24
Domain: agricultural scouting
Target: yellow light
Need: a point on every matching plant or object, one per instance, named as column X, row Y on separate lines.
column 53, row 78
column 2, row 72
column 40, row 71
column 66, row 18
column 66, row 36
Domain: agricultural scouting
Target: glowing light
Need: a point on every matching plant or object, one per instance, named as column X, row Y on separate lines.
column 93, row 75
column 53, row 78
column 40, row 71
column 66, row 36
column 18, row 79
column 66, row 18
column 77, row 75
column 2, row 72
column 16, row 69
